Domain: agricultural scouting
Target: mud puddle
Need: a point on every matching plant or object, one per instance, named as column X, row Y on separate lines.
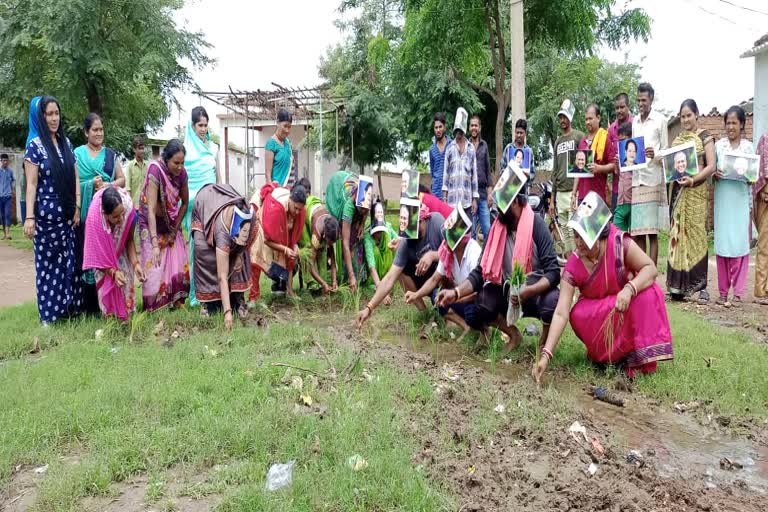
column 678, row 445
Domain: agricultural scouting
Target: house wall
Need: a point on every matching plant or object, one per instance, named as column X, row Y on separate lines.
column 761, row 94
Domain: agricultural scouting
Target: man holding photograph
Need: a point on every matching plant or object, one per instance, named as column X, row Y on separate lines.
column 623, row 115
column 649, row 196
column 527, row 241
column 521, row 134
column 415, row 262
column 562, row 191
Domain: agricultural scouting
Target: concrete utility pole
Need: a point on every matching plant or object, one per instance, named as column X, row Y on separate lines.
column 517, row 53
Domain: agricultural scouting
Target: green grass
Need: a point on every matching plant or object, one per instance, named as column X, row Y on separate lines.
column 18, row 239
column 143, row 407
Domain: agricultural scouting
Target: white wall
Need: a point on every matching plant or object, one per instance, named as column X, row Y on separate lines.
column 761, row 95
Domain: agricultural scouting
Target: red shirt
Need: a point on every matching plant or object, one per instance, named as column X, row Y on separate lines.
column 436, row 205
column 600, row 181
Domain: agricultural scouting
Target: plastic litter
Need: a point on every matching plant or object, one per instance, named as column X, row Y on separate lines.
column 636, row 458
column 357, row 462
column 42, row 469
column 280, row 475
column 500, row 409
column 601, row 393
column 578, row 428
column 592, row 469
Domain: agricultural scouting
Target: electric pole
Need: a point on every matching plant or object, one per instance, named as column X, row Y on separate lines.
column 517, row 52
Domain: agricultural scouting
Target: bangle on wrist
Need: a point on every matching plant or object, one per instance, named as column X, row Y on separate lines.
column 632, row 287
column 370, row 307
column 545, row 351
column 457, row 292
column 30, row 218
column 227, row 311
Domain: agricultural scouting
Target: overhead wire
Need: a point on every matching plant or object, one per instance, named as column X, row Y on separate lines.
column 744, row 7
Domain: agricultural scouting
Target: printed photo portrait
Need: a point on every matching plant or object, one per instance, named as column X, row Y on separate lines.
column 680, row 161
column 455, row 227
column 578, row 162
column 409, row 185
column 524, row 158
column 511, row 181
column 590, row 218
column 632, row 154
column 409, row 218
column 741, row 167
column 365, row 192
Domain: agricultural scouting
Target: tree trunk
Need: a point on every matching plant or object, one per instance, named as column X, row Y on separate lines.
column 381, row 188
column 95, row 101
column 501, row 110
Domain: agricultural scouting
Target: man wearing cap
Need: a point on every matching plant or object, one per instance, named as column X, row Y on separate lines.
column 517, row 236
column 562, row 190
column 415, row 262
column 460, row 173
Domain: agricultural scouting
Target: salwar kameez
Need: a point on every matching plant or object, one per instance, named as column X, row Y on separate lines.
column 641, row 335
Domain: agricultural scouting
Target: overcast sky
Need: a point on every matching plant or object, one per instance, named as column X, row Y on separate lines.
column 257, row 42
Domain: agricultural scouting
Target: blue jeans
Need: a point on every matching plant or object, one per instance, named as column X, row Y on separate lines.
column 24, row 211
column 483, row 216
column 5, row 211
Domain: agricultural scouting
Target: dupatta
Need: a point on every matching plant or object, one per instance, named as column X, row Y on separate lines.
column 102, row 250
column 274, row 219
column 200, row 161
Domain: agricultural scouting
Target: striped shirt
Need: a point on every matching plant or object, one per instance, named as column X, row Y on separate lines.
column 460, row 175
column 436, row 166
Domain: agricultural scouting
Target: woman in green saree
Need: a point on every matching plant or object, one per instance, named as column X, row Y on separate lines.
column 688, row 260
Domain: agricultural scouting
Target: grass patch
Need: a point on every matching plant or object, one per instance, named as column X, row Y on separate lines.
column 18, row 239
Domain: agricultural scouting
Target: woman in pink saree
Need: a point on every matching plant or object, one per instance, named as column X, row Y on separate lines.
column 620, row 315
column 164, row 253
column 110, row 251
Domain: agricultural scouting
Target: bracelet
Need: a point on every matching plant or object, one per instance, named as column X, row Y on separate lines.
column 227, row 311
column 547, row 352
column 633, row 287
column 30, row 218
column 458, row 293
column 370, row 307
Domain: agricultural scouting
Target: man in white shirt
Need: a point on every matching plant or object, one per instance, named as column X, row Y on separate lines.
column 649, row 195
column 463, row 260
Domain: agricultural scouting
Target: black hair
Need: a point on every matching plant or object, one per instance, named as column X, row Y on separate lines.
column 138, row 140
column 595, row 107
column 110, row 200
column 4, row 156
column 331, row 229
column 283, row 116
column 439, row 116
column 622, row 96
column 646, row 88
column 172, row 149
column 89, row 120
column 630, row 141
column 691, row 104
column 304, row 182
column 63, row 172
column 299, row 194
column 476, row 116
column 199, row 113
column 369, row 185
column 424, row 189
column 740, row 115
column 518, row 150
column 521, row 199
column 522, row 123
column 626, row 129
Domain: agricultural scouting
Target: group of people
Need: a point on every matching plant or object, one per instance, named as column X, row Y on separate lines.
column 83, row 211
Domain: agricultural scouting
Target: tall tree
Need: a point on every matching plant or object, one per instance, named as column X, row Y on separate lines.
column 119, row 58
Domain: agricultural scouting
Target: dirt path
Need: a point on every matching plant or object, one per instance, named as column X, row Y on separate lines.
column 17, row 275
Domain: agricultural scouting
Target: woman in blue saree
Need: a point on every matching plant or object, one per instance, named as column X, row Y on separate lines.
column 98, row 168
column 53, row 211
column 200, row 163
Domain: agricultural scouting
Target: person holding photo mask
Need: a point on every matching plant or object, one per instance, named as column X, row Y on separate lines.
column 381, row 241
column 688, row 264
column 603, row 151
column 733, row 224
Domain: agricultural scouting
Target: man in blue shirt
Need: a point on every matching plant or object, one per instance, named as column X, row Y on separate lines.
column 7, row 184
column 521, row 133
column 437, row 154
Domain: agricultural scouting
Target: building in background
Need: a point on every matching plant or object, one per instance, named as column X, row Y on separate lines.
column 760, row 52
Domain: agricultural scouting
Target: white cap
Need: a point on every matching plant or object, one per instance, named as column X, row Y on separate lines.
column 460, row 122
column 567, row 109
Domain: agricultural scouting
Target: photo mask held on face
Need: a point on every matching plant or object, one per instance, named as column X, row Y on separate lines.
column 590, row 218
column 239, row 217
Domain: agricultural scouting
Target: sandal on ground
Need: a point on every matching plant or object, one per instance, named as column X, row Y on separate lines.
column 762, row 301
column 736, row 302
column 703, row 298
column 722, row 301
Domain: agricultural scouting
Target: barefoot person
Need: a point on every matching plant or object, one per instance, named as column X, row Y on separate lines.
column 455, row 267
column 222, row 233
column 110, row 251
column 517, row 236
column 620, row 314
column 415, row 262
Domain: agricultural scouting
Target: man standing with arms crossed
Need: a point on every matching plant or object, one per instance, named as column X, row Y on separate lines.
column 437, row 153
column 562, row 190
column 649, row 197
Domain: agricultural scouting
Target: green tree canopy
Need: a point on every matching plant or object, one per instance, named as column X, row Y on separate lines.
column 122, row 59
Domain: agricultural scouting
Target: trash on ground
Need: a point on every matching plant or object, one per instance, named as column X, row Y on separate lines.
column 532, row 330
column 280, row 475
column 115, row 350
column 297, row 383
column 592, row 469
column 500, row 409
column 597, row 446
column 41, row 469
column 357, row 462
column 726, row 463
column 306, row 400
column 578, row 428
column 601, row 393
column 99, row 334
column 450, row 373
column 689, row 406
column 636, row 458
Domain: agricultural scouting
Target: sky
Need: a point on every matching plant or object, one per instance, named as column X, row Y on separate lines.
column 257, row 42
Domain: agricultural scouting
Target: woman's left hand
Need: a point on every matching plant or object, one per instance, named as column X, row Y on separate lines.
column 686, row 181
column 76, row 218
column 139, row 273
column 228, row 320
column 120, row 278
column 623, row 299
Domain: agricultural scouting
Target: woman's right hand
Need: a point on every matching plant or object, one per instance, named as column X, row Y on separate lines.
column 539, row 368
column 228, row 320
column 120, row 278
column 156, row 256
column 362, row 316
column 353, row 283
column 29, row 228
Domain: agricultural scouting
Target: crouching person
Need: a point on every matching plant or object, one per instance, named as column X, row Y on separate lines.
column 415, row 262
column 222, row 231
column 518, row 235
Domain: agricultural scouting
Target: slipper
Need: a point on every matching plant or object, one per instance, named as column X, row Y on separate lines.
column 762, row 301
column 703, row 298
column 722, row 301
column 736, row 302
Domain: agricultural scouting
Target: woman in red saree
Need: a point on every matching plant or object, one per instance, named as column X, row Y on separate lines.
column 275, row 251
column 620, row 315
column 110, row 251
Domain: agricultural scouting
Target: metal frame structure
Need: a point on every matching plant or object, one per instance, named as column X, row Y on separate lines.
column 303, row 102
